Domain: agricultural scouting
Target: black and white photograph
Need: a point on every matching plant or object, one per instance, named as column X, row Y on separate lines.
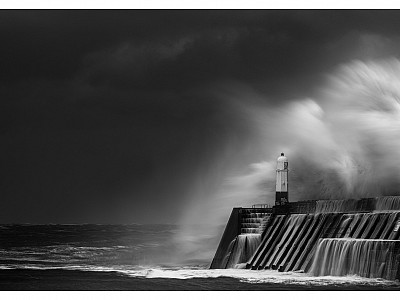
column 200, row 150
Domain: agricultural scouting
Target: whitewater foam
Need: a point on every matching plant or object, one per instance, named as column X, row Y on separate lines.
column 248, row 276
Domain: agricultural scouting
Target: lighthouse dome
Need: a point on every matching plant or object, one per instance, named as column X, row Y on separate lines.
column 282, row 158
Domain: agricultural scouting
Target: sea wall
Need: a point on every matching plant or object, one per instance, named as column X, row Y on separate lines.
column 290, row 242
column 291, row 234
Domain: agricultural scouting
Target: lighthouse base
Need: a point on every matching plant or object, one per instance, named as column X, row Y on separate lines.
column 281, row 198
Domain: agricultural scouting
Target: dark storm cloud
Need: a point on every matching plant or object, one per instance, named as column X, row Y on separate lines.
column 271, row 49
column 112, row 116
column 55, row 43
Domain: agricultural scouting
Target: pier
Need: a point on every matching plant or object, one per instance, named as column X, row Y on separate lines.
column 321, row 237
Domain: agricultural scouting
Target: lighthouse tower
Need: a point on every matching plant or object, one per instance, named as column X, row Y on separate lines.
column 282, row 195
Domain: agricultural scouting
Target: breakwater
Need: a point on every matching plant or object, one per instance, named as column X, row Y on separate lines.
column 303, row 236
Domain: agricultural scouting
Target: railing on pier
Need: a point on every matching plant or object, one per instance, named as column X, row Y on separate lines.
column 261, row 206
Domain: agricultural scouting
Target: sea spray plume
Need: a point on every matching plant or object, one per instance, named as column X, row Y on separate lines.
column 345, row 142
column 299, row 130
column 363, row 101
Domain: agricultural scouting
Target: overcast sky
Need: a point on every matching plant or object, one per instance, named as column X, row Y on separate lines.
column 120, row 116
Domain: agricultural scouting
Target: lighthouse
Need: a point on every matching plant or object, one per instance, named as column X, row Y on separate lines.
column 282, row 195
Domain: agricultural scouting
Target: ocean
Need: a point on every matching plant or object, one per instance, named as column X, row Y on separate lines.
column 139, row 257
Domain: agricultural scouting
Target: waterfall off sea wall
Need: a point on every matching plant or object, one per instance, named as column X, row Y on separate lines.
column 242, row 248
column 241, row 238
column 322, row 237
column 363, row 257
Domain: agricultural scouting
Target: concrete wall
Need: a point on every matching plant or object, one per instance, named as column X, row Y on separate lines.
column 291, row 232
column 232, row 230
column 290, row 242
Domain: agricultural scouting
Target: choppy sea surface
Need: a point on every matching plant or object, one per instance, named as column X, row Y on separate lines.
column 142, row 257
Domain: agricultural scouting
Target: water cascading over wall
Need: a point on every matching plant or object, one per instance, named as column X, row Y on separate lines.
column 241, row 237
column 293, row 241
column 241, row 249
column 367, row 258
